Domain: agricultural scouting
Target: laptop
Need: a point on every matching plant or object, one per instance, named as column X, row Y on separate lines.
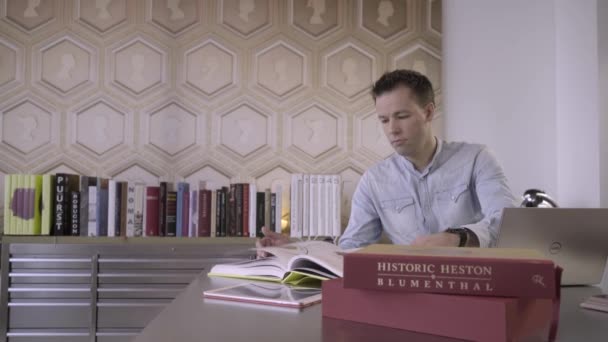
column 576, row 239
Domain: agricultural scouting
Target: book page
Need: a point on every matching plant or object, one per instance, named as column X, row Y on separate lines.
column 325, row 254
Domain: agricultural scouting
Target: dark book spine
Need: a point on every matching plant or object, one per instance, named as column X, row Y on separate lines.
column 186, row 213
column 117, row 208
column 204, row 222
column 152, row 202
column 60, row 204
column 102, row 203
column 75, row 213
column 218, row 213
column 231, row 211
column 124, row 204
column 450, row 275
column 171, row 209
column 224, row 212
column 273, row 212
column 162, row 209
column 246, row 210
column 260, row 206
column 84, row 205
column 239, row 209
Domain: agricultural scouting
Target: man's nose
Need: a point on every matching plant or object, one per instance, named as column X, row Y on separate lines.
column 393, row 127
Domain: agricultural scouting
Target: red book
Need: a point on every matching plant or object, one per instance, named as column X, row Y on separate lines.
column 472, row 318
column 152, row 194
column 503, row 272
column 204, row 213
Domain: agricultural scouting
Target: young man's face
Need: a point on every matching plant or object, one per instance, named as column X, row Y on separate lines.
column 405, row 123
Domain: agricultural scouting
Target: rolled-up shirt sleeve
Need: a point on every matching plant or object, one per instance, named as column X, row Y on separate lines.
column 364, row 225
column 494, row 195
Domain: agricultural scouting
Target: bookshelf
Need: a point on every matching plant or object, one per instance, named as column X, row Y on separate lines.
column 71, row 288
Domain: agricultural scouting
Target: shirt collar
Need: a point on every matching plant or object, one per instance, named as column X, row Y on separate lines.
column 409, row 166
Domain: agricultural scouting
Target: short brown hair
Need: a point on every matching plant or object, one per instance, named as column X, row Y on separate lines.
column 417, row 82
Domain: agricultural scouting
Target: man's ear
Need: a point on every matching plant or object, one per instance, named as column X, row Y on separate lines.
column 429, row 111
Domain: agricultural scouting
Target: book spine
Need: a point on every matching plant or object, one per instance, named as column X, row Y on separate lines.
column 130, row 209
column 92, row 224
column 75, row 213
column 186, row 212
column 238, row 215
column 306, row 205
column 37, row 229
column 60, row 204
column 204, row 223
column 212, row 216
column 113, row 207
column 218, row 213
column 84, row 205
column 245, row 206
column 139, row 210
column 124, row 194
column 47, row 204
column 180, row 208
column 152, row 209
column 278, row 209
column 162, row 209
column 102, row 206
column 7, row 201
column 337, row 209
column 321, row 206
column 252, row 209
column 273, row 211
column 171, row 213
column 453, row 275
column 231, row 211
column 224, row 211
column 267, row 208
column 193, row 213
column 260, row 212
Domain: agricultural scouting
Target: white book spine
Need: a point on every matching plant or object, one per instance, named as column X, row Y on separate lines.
column 306, row 206
column 279, row 208
column 322, row 209
column 112, row 208
column 337, row 188
column 293, row 206
column 130, row 209
column 253, row 215
column 299, row 203
column 313, row 201
column 329, row 227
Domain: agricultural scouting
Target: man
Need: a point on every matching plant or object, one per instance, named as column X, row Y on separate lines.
column 429, row 192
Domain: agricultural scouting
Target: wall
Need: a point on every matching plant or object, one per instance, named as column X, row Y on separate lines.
column 522, row 77
column 215, row 90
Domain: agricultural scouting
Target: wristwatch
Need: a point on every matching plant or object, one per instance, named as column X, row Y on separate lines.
column 462, row 232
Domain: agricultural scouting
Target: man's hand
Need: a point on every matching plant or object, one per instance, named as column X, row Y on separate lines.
column 270, row 239
column 438, row 239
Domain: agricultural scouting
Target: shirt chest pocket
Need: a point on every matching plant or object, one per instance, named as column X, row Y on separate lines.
column 398, row 213
column 455, row 205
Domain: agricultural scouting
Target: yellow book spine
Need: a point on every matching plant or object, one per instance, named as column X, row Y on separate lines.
column 37, row 223
column 46, row 204
column 7, row 203
column 22, row 202
column 29, row 206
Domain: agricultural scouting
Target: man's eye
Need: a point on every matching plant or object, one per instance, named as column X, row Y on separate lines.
column 383, row 121
column 403, row 116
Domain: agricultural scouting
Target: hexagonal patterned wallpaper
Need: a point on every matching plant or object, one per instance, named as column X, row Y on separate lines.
column 216, row 90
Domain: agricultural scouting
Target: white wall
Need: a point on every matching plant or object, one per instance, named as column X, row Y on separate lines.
column 521, row 77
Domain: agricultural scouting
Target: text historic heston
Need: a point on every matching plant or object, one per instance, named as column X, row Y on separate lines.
column 472, row 278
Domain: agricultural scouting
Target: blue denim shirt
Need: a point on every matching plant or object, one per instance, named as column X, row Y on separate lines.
column 463, row 186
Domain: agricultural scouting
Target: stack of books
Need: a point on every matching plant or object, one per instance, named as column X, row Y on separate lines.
column 473, row 294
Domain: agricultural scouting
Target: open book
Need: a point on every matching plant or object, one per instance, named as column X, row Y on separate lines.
column 299, row 263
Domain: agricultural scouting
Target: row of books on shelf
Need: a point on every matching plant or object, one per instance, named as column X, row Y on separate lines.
column 76, row 205
column 508, row 294
column 315, row 205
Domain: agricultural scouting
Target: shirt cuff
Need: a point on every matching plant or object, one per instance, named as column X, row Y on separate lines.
column 481, row 229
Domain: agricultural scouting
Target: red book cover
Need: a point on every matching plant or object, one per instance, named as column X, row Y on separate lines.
column 204, row 213
column 185, row 214
column 487, row 319
column 245, row 219
column 501, row 272
column 152, row 215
